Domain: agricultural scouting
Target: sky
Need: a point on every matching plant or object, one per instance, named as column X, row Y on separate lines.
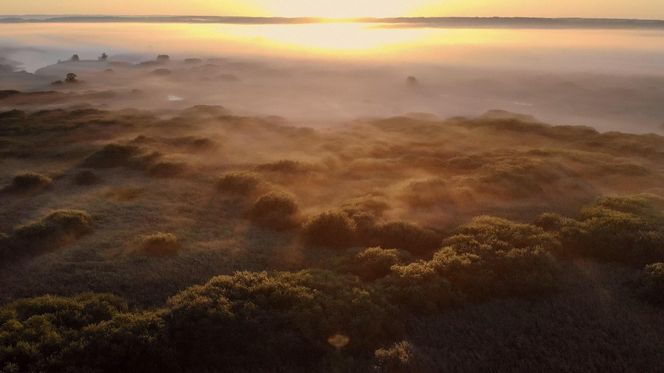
column 643, row 9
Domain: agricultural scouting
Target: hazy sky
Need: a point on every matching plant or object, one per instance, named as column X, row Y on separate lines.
column 648, row 9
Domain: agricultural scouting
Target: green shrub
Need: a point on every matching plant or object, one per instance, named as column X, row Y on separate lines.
column 53, row 231
column 375, row 262
column 116, row 155
column 260, row 321
column 651, row 284
column 29, row 182
column 45, row 334
column 627, row 230
column 239, row 183
column 499, row 257
column 330, row 229
column 160, row 244
column 486, row 258
column 286, row 166
column 275, row 211
column 401, row 357
column 406, row 236
column 418, row 288
column 86, row 178
column 167, row 169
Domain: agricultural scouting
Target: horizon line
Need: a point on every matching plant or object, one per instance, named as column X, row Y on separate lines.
column 48, row 17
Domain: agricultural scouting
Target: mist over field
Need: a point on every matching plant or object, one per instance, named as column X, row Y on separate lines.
column 219, row 194
column 607, row 78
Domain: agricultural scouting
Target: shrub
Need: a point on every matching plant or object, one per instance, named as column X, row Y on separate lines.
column 493, row 256
column 401, row 357
column 418, row 288
column 486, row 258
column 167, row 169
column 275, row 211
column 160, row 244
column 285, row 167
column 651, row 284
column 86, row 333
column 239, row 183
column 375, row 262
column 628, row 230
column 86, row 178
column 551, row 222
column 406, row 236
column 330, row 229
column 116, row 155
column 53, row 231
column 258, row 321
column 29, row 182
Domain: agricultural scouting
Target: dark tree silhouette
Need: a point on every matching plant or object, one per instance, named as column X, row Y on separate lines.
column 103, row 57
column 75, row 58
column 71, row 78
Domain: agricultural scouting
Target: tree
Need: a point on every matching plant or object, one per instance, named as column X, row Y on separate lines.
column 163, row 58
column 71, row 78
column 75, row 58
column 103, row 57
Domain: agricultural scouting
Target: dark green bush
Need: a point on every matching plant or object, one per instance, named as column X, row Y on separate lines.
column 53, row 231
column 402, row 357
column 116, row 155
column 418, row 288
column 486, row 258
column 651, row 284
column 330, row 229
column 160, row 244
column 239, row 183
column 263, row 321
column 406, row 236
column 86, row 178
column 500, row 258
column 29, row 182
column 275, row 211
column 167, row 169
column 627, row 230
column 86, row 333
column 376, row 262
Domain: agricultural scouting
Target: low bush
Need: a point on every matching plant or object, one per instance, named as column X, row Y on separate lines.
column 493, row 256
column 628, row 230
column 116, row 155
column 486, row 258
column 53, row 231
column 258, row 321
column 29, row 182
column 285, row 167
column 160, row 244
column 86, row 178
column 375, row 262
column 275, row 211
column 167, row 169
column 406, row 236
column 330, row 229
column 239, row 183
column 401, row 357
column 651, row 284
column 86, row 333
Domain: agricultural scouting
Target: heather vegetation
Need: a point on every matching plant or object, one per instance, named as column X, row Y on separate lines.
column 197, row 240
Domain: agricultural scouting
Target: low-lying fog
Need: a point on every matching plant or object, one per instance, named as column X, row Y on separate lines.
column 321, row 74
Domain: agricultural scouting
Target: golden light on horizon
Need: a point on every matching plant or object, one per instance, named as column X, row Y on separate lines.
column 340, row 8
